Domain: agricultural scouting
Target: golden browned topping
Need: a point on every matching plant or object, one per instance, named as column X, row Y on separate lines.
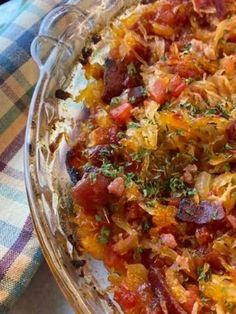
column 154, row 166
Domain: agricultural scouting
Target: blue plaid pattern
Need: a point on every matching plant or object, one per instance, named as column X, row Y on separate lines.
column 20, row 254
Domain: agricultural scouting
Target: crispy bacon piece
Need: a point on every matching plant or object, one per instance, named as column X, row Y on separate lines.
column 91, row 192
column 161, row 290
column 114, row 77
column 210, row 7
column 201, row 213
column 61, row 94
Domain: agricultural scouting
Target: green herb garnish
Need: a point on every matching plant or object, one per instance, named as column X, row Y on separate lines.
column 115, row 101
column 211, row 111
column 187, row 48
column 146, row 225
column 204, row 272
column 104, row 235
column 137, row 252
column 108, row 170
column 222, row 111
column 131, row 69
column 139, row 155
column 92, row 177
column 178, row 188
column 191, row 108
column 133, row 125
column 189, row 80
column 227, row 167
column 228, row 146
column 98, row 218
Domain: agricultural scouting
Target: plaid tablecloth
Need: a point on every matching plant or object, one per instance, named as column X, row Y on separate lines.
column 20, row 254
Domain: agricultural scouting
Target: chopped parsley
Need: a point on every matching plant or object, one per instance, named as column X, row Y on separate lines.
column 166, row 105
column 144, row 91
column 187, row 48
column 90, row 125
column 133, row 125
column 108, row 170
column 178, row 188
column 191, row 108
column 230, row 306
column 104, row 235
column 92, row 177
column 149, row 190
column 227, row 167
column 137, row 252
column 120, row 135
column 98, row 218
column 211, row 111
column 115, row 101
column 132, row 99
column 190, row 192
column 227, row 146
column 189, row 80
column 130, row 176
column 163, row 58
column 204, row 272
column 146, row 225
column 203, row 298
column 222, row 111
column 104, row 152
column 131, row 69
column 139, row 155
column 150, row 203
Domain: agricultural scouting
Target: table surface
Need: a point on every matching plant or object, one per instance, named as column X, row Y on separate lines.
column 42, row 296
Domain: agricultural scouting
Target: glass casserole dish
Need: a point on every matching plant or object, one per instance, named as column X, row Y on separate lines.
column 152, row 164
column 62, row 35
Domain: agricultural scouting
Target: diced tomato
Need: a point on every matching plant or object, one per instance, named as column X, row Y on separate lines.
column 158, row 91
column 192, row 298
column 176, row 85
column 122, row 113
column 126, row 298
column 203, row 235
column 113, row 261
column 174, row 201
column 91, row 193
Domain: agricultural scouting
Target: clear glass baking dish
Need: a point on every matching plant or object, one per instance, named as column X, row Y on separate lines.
column 51, row 124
